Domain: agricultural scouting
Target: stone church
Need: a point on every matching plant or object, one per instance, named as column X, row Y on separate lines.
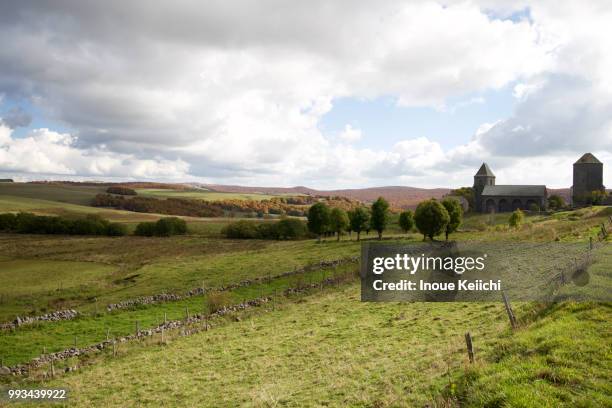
column 491, row 197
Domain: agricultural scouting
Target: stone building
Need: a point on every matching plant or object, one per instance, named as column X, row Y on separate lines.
column 489, row 197
column 588, row 177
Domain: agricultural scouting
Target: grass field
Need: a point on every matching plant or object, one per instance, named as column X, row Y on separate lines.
column 204, row 195
column 346, row 353
column 63, row 193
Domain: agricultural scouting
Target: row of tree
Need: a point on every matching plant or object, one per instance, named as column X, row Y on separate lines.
column 28, row 223
column 431, row 218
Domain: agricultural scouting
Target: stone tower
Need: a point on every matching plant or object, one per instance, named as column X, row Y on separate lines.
column 588, row 177
column 483, row 177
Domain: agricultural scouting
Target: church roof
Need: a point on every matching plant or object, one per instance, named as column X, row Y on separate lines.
column 485, row 171
column 514, row 191
column 587, row 158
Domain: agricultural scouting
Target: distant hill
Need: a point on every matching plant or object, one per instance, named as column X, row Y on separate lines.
column 398, row 196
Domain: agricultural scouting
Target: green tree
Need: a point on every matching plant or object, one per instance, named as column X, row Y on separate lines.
column 318, row 219
column 516, row 218
column 380, row 216
column 467, row 193
column 360, row 220
column 338, row 221
column 431, row 218
column 455, row 212
column 406, row 221
column 556, row 202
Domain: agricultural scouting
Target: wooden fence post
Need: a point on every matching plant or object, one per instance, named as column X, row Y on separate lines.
column 470, row 347
column 509, row 310
column 114, row 347
column 590, row 243
column 52, row 368
column 162, row 335
column 137, row 328
column 165, row 317
column 107, row 333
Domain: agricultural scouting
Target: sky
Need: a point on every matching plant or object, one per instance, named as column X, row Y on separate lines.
column 340, row 94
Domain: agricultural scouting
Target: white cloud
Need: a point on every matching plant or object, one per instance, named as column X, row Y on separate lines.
column 350, row 134
column 236, row 94
column 51, row 153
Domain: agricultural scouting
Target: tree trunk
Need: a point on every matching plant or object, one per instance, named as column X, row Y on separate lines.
column 338, row 236
column 358, row 235
column 447, row 235
column 379, row 235
column 319, row 238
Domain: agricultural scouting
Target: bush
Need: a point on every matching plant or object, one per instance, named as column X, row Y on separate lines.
column 288, row 228
column 8, row 222
column 516, row 219
column 28, row 223
column 217, row 301
column 164, row 227
column 146, row 229
column 121, row 190
column 291, row 228
column 171, row 226
column 241, row 230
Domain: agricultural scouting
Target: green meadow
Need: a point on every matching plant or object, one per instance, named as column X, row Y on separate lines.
column 319, row 346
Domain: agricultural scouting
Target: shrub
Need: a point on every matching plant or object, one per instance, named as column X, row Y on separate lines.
column 164, row 227
column 288, row 228
column 556, row 202
column 217, row 301
column 291, row 228
column 146, row 229
column 516, row 218
column 28, row 223
column 8, row 222
column 120, row 190
column 241, row 230
column 534, row 207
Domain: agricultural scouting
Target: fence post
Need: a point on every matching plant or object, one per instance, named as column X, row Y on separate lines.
column 186, row 314
column 107, row 333
column 509, row 310
column 470, row 347
column 162, row 335
column 165, row 318
column 590, row 243
column 114, row 347
column 137, row 328
column 52, row 368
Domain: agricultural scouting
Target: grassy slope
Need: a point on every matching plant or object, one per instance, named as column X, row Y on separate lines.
column 64, row 193
column 333, row 350
column 203, row 195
